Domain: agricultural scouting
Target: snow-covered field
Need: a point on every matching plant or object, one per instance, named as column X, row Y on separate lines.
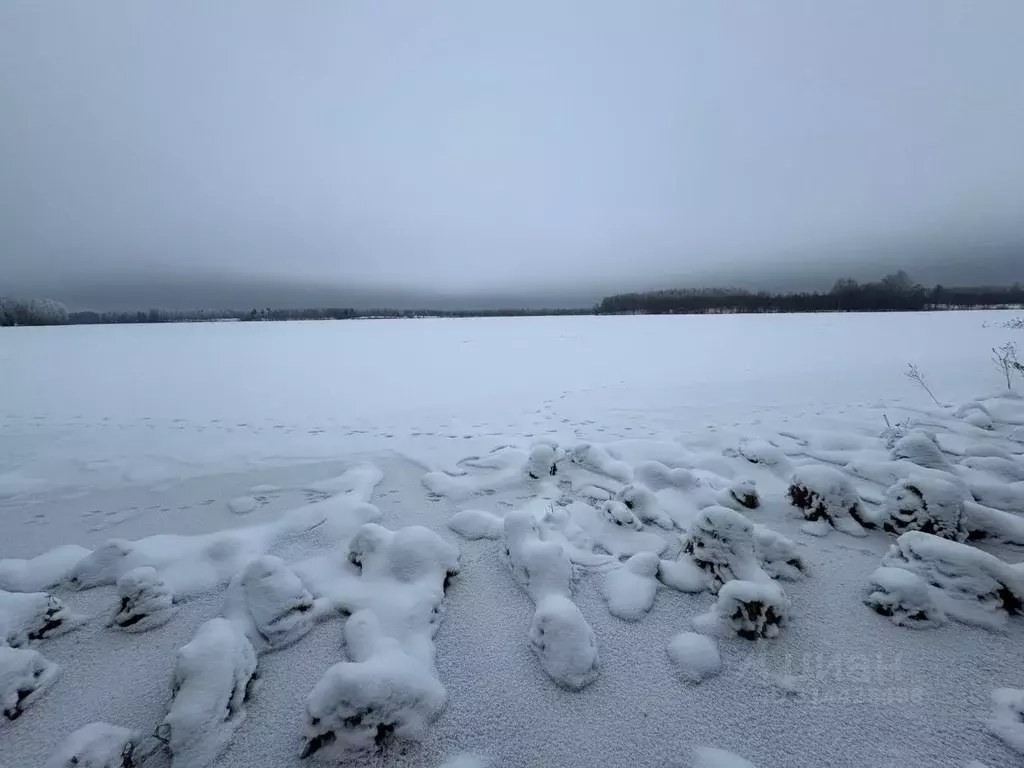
column 580, row 541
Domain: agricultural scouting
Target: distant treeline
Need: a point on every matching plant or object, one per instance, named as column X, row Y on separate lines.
column 896, row 292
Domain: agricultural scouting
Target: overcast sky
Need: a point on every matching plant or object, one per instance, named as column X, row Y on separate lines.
column 483, row 148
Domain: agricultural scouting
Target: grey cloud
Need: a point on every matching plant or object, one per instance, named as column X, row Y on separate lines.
column 464, row 148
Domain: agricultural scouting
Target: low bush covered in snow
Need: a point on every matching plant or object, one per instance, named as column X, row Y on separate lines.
column 564, row 642
column 24, row 677
column 28, row 616
column 96, row 745
column 630, row 588
column 271, row 604
column 978, row 586
column 212, row 676
column 753, row 610
column 721, row 543
column 144, row 601
column 617, row 513
column 921, row 448
column 826, row 495
column 905, row 598
column 925, row 503
column 642, row 502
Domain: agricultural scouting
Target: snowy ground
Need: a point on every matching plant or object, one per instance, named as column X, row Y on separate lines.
column 283, row 439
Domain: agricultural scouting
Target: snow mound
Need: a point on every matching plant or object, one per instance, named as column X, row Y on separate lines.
column 1007, row 721
column 24, row 677
column 921, row 448
column 644, row 504
column 564, row 642
column 928, row 504
column 978, row 586
column 708, row 757
column 617, row 513
column 983, row 522
column 658, row 477
column 539, row 567
column 630, row 588
column 825, row 494
column 144, row 601
column 777, row 554
column 407, row 555
column 1005, row 496
column 764, row 453
column 27, row 616
column 476, row 524
column 212, row 676
column 695, row 657
column 905, row 598
column 383, row 693
column 976, row 414
column 1002, row 467
column 96, row 745
column 271, row 604
column 752, row 610
column 597, row 459
column 464, row 761
column 242, row 505
column 542, row 461
column 721, row 544
column 41, row 572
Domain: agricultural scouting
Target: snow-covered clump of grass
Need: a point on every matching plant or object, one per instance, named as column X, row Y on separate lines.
column 905, row 598
column 922, row 448
column 1007, row 721
column 826, row 496
column 743, row 493
column 721, row 544
column 271, row 605
column 752, row 610
column 630, row 588
column 389, row 688
column 381, row 694
column 559, row 635
column 28, row 616
column 596, row 459
column 657, row 477
column 925, row 503
column 564, row 642
column 24, row 677
column 41, row 572
column 695, row 657
column 978, row 587
column 211, row 682
column 617, row 513
column 644, row 504
column 96, row 745
column 476, row 524
column 542, row 461
column 777, row 554
column 144, row 601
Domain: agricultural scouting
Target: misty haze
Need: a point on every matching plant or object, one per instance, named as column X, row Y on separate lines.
column 657, row 399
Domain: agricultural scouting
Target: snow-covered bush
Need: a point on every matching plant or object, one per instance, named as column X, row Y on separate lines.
column 476, row 524
column 617, row 513
column 96, row 745
column 981, row 522
column 777, row 554
column 39, row 573
column 921, row 448
column 539, row 567
column 974, row 579
column 24, row 676
column 761, row 452
column 905, row 598
column 745, row 494
column 144, row 601
column 271, row 603
column 751, row 609
column 564, row 642
column 212, row 676
column 1007, row 721
column 383, row 693
column 27, row 616
column 657, row 477
column 925, row 503
column 721, row 543
column 408, row 554
column 542, row 461
column 644, row 504
column 826, row 495
column 596, row 459
column 694, row 656
column 630, row 588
